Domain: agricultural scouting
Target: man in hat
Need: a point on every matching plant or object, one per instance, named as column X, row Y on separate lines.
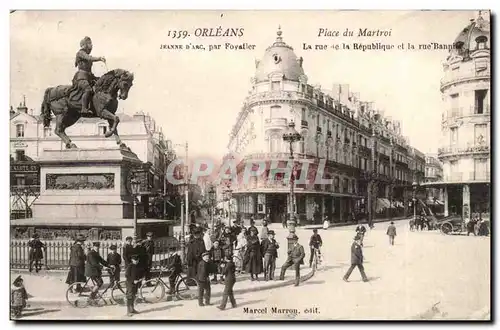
column 35, row 252
column 128, row 250
column 83, row 78
column 269, row 248
column 202, row 275
column 314, row 244
column 356, row 259
column 295, row 258
column 76, row 262
column 391, row 232
column 194, row 251
column 149, row 246
column 114, row 260
column 93, row 268
column 132, row 277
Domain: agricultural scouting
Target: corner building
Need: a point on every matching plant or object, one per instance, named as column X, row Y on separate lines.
column 465, row 145
column 366, row 156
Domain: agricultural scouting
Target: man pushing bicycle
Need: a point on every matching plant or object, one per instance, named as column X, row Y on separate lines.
column 93, row 268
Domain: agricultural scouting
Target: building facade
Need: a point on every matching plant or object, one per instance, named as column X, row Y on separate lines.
column 465, row 145
column 366, row 154
column 29, row 138
column 433, row 173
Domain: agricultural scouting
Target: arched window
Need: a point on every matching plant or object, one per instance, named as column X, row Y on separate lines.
column 19, row 130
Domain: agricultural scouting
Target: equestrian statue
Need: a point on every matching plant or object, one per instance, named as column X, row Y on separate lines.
column 88, row 96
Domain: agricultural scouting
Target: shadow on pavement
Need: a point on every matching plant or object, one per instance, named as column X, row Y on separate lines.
column 159, row 309
column 249, row 302
column 313, row 282
column 39, row 311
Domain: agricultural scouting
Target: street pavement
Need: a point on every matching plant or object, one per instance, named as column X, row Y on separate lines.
column 425, row 275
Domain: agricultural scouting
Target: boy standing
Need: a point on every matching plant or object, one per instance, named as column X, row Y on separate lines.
column 391, row 231
column 114, row 260
column 217, row 255
column 203, row 280
column 132, row 276
column 230, row 278
column 269, row 248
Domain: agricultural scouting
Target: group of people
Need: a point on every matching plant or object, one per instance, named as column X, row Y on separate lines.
column 477, row 226
column 88, row 263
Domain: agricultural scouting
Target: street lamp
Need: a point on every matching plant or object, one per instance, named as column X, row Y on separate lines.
column 414, row 185
column 135, row 185
column 211, row 197
column 182, row 189
column 291, row 136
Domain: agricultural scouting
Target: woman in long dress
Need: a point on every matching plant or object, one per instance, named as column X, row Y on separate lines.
column 326, row 223
column 253, row 256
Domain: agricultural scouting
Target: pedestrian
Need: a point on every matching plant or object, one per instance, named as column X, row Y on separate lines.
column 202, row 275
column 35, row 252
column 326, row 223
column 295, row 258
column 174, row 263
column 93, row 268
column 269, row 249
column 76, row 262
column 356, row 259
column 114, row 260
column 228, row 270
column 216, row 256
column 253, row 256
column 142, row 254
column 19, row 297
column 252, row 228
column 194, row 253
column 361, row 231
column 128, row 250
column 391, row 231
column 132, row 277
column 314, row 244
column 264, row 231
column 149, row 246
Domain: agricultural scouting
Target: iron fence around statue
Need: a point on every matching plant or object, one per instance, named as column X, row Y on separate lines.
column 56, row 253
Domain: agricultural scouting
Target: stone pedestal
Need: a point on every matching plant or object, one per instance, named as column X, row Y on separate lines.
column 86, row 188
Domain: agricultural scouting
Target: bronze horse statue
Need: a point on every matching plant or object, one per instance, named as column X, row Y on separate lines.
column 64, row 101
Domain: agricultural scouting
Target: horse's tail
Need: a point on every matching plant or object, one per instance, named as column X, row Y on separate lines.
column 47, row 117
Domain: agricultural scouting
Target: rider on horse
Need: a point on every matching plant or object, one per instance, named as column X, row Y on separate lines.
column 83, row 79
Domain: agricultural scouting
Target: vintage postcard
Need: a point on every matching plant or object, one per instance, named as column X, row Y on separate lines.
column 250, row 165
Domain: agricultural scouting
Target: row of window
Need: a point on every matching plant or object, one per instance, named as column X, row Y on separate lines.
column 480, row 133
column 47, row 131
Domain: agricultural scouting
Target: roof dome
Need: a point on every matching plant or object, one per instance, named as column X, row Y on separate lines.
column 279, row 58
column 474, row 34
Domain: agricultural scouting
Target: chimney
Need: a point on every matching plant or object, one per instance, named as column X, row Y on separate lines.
column 22, row 106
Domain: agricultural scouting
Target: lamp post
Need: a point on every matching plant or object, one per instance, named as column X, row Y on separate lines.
column 211, row 197
column 291, row 136
column 135, row 186
column 414, row 185
column 182, row 239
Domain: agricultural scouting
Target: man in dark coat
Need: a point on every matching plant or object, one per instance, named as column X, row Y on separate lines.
column 194, row 252
column 149, row 246
column 228, row 270
column 114, row 260
column 128, row 250
column 142, row 254
column 202, row 275
column 296, row 258
column 356, row 259
column 76, row 262
column 35, row 252
column 132, row 277
column 93, row 267
column 269, row 249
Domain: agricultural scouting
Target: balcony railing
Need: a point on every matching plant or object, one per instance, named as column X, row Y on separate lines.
column 468, row 176
column 276, row 122
column 449, row 151
column 485, row 110
column 464, row 76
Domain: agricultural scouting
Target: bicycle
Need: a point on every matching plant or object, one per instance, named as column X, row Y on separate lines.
column 79, row 294
column 317, row 258
column 153, row 290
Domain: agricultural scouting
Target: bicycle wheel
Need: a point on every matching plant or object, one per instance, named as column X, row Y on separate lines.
column 78, row 295
column 153, row 291
column 119, row 293
column 186, row 288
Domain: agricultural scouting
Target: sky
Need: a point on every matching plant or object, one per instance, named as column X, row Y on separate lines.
column 195, row 96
